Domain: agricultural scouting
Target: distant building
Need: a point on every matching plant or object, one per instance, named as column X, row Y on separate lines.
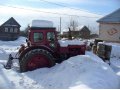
column 85, row 33
column 109, row 27
column 93, row 36
column 81, row 32
column 10, row 30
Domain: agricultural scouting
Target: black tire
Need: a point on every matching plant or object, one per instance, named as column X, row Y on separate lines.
column 27, row 57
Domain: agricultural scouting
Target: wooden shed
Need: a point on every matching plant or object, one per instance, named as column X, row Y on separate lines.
column 9, row 30
column 109, row 27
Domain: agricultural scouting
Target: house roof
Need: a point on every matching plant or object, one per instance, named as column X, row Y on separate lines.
column 113, row 17
column 85, row 29
column 77, row 28
column 11, row 22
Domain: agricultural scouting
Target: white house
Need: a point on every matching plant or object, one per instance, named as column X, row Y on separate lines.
column 109, row 27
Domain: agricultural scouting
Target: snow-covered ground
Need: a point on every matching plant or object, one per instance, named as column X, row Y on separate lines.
column 7, row 47
column 82, row 71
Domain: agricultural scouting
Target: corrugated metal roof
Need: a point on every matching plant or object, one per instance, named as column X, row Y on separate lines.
column 114, row 17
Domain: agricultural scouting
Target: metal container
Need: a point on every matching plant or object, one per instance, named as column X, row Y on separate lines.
column 108, row 50
column 101, row 50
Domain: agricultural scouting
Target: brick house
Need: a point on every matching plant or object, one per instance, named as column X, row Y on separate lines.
column 109, row 27
column 9, row 30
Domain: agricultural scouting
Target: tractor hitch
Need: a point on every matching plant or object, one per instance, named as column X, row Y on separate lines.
column 9, row 63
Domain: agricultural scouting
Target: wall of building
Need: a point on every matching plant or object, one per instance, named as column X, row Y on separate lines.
column 9, row 34
column 109, row 32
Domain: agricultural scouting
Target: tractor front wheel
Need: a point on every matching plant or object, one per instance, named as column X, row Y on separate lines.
column 36, row 58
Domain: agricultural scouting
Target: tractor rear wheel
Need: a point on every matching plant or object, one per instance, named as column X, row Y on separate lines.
column 36, row 58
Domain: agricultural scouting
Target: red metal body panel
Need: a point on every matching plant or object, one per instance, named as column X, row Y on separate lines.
column 73, row 49
column 63, row 50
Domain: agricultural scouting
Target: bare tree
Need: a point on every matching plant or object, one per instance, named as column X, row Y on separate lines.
column 26, row 30
column 73, row 24
column 69, row 34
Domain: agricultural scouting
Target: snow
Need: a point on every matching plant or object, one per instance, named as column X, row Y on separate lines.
column 115, row 65
column 82, row 71
column 115, row 58
column 41, row 23
column 65, row 43
column 115, row 50
column 7, row 47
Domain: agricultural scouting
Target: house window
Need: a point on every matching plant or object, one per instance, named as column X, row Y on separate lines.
column 16, row 30
column 6, row 29
column 11, row 29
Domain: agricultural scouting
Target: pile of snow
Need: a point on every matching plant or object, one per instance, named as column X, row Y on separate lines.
column 115, row 57
column 115, row 62
column 65, row 43
column 76, row 72
column 17, row 42
column 115, row 51
column 41, row 23
column 82, row 71
column 7, row 47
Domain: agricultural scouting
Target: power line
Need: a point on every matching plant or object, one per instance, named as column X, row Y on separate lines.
column 37, row 10
column 46, row 11
column 65, row 6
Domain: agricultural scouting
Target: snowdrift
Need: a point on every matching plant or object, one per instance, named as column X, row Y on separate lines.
column 10, row 47
column 85, row 71
column 76, row 72
column 115, row 49
column 115, row 54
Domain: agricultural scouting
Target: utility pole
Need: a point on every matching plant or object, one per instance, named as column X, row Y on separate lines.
column 60, row 25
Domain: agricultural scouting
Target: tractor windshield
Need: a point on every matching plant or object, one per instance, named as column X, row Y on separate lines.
column 38, row 37
column 51, row 36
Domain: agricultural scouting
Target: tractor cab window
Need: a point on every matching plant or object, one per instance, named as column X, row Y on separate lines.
column 38, row 37
column 51, row 36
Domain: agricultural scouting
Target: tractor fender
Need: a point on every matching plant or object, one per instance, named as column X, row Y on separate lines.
column 35, row 47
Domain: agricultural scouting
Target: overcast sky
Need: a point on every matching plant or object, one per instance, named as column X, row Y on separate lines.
column 86, row 12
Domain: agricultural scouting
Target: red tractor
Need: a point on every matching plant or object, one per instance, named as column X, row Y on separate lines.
column 43, row 48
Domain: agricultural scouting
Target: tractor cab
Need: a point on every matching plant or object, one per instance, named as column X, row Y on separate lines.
column 43, row 34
